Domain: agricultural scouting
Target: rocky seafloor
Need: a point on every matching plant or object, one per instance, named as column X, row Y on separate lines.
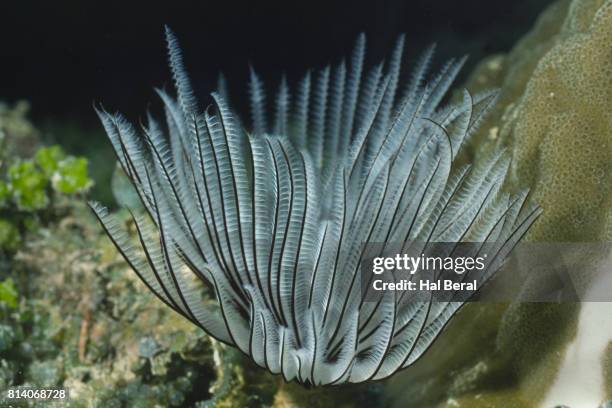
column 73, row 315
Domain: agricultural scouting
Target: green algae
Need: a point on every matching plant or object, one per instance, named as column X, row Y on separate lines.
column 28, row 186
column 8, row 294
column 68, row 174
column 10, row 238
column 33, row 182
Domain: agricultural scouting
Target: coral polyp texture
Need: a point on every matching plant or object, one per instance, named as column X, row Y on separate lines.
column 256, row 235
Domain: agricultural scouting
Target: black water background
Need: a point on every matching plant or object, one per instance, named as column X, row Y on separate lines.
column 62, row 56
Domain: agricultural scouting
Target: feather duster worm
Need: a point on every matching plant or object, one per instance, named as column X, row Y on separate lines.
column 272, row 221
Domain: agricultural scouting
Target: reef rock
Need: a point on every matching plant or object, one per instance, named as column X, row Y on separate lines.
column 553, row 116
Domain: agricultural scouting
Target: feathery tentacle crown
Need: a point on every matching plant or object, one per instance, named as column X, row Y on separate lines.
column 272, row 221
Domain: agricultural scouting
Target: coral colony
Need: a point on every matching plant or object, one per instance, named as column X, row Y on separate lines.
column 271, row 219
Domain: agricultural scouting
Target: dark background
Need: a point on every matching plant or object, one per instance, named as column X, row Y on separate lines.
column 63, row 55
